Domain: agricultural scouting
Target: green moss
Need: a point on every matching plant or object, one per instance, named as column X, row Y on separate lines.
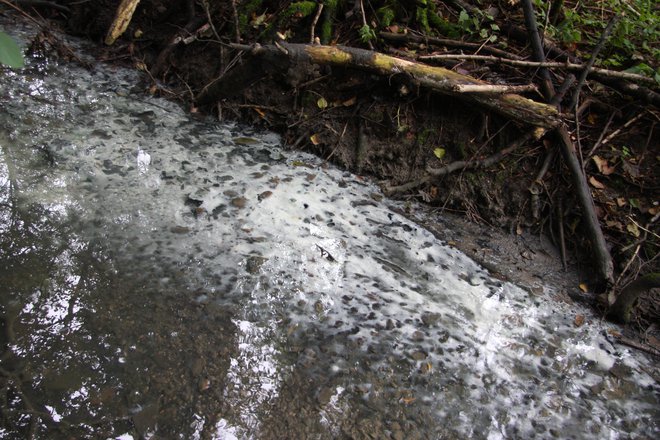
column 435, row 20
column 421, row 15
column 386, row 15
column 426, row 16
column 328, row 17
column 424, row 135
column 246, row 10
column 303, row 9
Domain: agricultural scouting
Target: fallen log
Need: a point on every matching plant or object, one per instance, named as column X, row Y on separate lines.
column 437, row 79
column 121, row 21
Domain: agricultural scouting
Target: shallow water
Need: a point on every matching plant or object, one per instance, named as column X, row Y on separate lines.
column 170, row 277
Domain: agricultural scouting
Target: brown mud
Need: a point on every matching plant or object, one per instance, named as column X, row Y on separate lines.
column 388, row 129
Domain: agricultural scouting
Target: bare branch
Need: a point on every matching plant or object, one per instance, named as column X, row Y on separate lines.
column 536, row 64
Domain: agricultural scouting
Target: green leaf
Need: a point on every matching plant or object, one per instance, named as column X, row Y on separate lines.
column 439, row 153
column 322, row 103
column 633, row 229
column 463, row 16
column 10, row 53
column 367, row 33
column 641, row 68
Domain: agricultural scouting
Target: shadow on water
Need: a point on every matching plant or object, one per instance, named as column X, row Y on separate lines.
column 94, row 345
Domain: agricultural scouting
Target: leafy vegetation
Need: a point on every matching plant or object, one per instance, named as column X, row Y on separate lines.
column 634, row 38
column 367, row 33
column 480, row 24
column 10, row 53
column 425, row 15
column 329, row 16
column 301, row 9
column 249, row 9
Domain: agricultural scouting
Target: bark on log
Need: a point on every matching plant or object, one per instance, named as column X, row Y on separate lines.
column 122, row 19
column 438, row 79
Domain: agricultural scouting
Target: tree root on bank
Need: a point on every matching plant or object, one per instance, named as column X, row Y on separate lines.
column 603, row 259
column 621, row 309
column 637, row 345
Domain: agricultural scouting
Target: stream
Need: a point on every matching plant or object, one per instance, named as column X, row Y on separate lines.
column 163, row 275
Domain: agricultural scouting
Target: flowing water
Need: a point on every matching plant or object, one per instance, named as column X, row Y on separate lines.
column 165, row 276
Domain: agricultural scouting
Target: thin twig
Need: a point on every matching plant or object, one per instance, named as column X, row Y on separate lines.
column 494, row 88
column 629, row 262
column 44, row 3
column 646, row 228
column 22, row 12
column 316, row 19
column 578, row 137
column 408, row 38
column 334, row 150
column 159, row 65
column 616, row 132
column 210, row 19
column 592, row 60
column 562, row 240
column 462, row 165
column 642, row 155
column 638, row 345
column 551, row 64
column 550, row 155
column 602, row 135
column 537, row 48
column 236, row 22
column 364, row 23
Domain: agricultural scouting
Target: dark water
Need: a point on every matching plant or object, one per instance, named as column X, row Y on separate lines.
column 168, row 277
